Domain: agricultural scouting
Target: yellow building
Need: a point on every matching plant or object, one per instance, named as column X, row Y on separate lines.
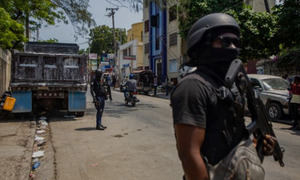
column 136, row 33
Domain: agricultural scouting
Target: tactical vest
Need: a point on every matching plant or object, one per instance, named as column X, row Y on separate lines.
column 225, row 126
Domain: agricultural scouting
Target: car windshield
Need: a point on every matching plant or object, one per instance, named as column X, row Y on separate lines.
column 275, row 83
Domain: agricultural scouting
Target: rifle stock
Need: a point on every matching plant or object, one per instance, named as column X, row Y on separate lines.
column 260, row 123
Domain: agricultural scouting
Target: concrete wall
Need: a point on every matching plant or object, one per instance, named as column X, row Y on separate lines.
column 5, row 70
column 259, row 5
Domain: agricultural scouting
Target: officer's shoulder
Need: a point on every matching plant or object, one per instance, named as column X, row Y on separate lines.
column 194, row 80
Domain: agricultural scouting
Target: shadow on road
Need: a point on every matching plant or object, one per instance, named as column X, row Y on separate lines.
column 118, row 110
column 86, row 129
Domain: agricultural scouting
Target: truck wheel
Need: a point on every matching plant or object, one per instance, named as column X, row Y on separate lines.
column 79, row 114
column 274, row 111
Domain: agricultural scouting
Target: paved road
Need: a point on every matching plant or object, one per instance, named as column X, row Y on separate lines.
column 138, row 144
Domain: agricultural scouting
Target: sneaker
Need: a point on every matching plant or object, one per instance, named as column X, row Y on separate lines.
column 103, row 126
column 100, row 128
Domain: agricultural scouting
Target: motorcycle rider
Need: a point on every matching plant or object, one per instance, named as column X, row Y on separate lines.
column 130, row 86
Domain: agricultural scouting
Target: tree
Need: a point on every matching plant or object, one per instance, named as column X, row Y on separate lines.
column 32, row 13
column 102, row 39
column 11, row 31
column 258, row 29
column 51, row 40
column 288, row 22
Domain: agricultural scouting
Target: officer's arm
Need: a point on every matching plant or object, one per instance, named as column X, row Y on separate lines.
column 189, row 141
column 92, row 90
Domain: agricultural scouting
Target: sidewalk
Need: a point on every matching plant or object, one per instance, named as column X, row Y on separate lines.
column 16, row 141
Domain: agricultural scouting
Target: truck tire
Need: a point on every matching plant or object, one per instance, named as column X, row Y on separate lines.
column 274, row 111
column 79, row 114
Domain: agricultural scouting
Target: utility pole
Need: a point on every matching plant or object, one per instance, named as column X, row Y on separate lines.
column 111, row 13
column 267, row 6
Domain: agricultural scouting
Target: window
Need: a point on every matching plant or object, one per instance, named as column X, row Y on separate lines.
column 142, row 34
column 157, row 43
column 155, row 20
column 146, row 48
column 129, row 52
column 146, row 26
column 125, row 52
column 173, row 65
column 173, row 39
column 172, row 13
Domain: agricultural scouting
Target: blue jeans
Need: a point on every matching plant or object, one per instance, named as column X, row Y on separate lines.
column 100, row 109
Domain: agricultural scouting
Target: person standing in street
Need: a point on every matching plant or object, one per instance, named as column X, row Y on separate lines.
column 208, row 121
column 99, row 96
column 107, row 86
column 295, row 103
column 155, row 83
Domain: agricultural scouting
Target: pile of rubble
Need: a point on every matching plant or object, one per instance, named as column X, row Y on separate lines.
column 40, row 143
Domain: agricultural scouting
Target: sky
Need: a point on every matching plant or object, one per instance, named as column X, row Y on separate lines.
column 65, row 34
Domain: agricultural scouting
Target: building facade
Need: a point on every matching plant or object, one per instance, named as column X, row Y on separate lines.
column 5, row 70
column 136, row 33
column 155, row 46
column 127, row 58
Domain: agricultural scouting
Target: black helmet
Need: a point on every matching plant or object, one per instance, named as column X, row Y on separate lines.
column 98, row 74
column 209, row 24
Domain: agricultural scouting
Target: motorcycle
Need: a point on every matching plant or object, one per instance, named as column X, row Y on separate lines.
column 130, row 97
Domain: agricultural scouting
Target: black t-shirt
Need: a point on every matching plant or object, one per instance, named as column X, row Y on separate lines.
column 189, row 102
column 98, row 88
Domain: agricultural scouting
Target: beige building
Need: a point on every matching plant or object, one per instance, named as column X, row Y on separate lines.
column 5, row 70
column 174, row 43
column 146, row 34
column 136, row 33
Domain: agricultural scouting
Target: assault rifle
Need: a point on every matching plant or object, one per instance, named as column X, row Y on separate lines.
column 260, row 123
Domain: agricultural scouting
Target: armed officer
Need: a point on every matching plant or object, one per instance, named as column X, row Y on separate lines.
column 99, row 96
column 208, row 119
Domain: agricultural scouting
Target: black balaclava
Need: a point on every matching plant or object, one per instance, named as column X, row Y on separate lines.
column 216, row 60
column 98, row 75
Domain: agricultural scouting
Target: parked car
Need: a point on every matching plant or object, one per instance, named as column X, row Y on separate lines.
column 273, row 91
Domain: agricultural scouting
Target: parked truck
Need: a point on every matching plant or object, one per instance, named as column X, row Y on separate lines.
column 49, row 76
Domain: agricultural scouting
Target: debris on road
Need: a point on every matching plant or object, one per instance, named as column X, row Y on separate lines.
column 38, row 154
column 40, row 140
column 36, row 165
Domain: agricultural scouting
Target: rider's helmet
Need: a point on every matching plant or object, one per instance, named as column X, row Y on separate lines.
column 205, row 30
column 131, row 76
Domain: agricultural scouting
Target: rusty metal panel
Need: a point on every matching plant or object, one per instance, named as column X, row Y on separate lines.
column 50, row 69
column 52, row 48
column 27, row 68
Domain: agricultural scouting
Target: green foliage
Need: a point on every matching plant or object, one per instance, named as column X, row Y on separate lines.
column 51, row 40
column 35, row 12
column 78, row 14
column 289, row 58
column 289, row 23
column 191, row 10
column 258, row 33
column 11, row 31
column 102, row 39
column 258, row 29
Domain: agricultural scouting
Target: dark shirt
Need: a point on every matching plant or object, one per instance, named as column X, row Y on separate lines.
column 131, row 85
column 98, row 89
column 197, row 104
